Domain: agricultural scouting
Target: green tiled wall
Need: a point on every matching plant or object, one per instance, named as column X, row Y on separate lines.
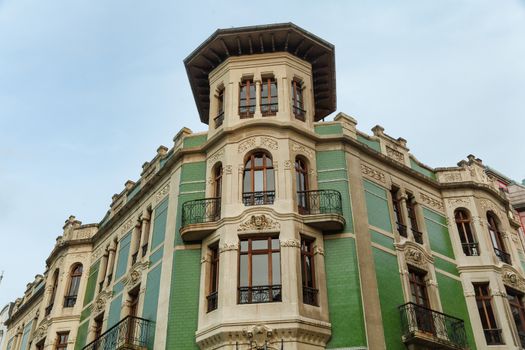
column 91, row 283
column 415, row 166
column 114, row 312
column 438, row 233
column 377, row 206
column 194, row 141
column 344, row 294
column 159, row 224
column 370, row 143
column 328, row 129
column 81, row 336
column 151, row 297
column 123, row 256
column 184, row 300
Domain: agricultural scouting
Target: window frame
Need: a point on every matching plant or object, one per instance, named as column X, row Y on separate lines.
column 60, row 342
column 398, row 214
column 297, row 99
column 270, row 111
column 518, row 305
column 310, row 290
column 213, row 288
column 247, row 84
column 412, row 217
column 75, row 278
column 484, row 299
column 418, row 284
column 467, row 238
column 219, row 118
column 266, row 196
column 302, row 187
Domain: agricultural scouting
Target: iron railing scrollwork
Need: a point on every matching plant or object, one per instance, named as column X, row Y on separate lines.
column 130, row 333
column 416, row 318
column 502, row 256
column 310, row 296
column 260, row 294
column 258, row 198
column 212, row 301
column 470, row 249
column 201, row 210
column 320, row 202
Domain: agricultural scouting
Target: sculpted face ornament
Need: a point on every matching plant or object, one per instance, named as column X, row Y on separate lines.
column 259, row 336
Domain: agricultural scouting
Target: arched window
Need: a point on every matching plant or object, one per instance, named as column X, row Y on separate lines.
column 497, row 239
column 468, row 242
column 259, row 181
column 74, row 282
column 301, row 184
column 217, row 180
column 53, row 293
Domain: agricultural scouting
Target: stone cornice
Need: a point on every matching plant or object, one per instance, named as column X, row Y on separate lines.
column 20, row 311
column 63, row 245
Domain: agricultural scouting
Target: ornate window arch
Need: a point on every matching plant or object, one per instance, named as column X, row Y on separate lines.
column 258, row 185
column 467, row 237
column 74, row 283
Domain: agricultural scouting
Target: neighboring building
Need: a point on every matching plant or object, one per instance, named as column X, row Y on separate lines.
column 275, row 230
column 4, row 315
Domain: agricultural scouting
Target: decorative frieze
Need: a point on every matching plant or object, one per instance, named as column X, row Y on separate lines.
column 259, row 335
column 298, row 148
column 434, row 203
column 128, row 225
column 287, row 164
column 318, row 250
column 512, row 279
column 162, row 192
column 457, row 202
column 395, row 154
column 246, row 145
column 227, row 169
column 226, row 247
column 269, row 142
column 487, row 205
column 453, row 176
column 416, row 258
column 101, row 301
column 216, row 156
column 373, row 173
column 259, row 222
column 135, row 275
column 292, row 243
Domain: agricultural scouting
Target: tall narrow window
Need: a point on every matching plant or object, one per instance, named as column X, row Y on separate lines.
column 134, row 302
column 74, row 282
column 484, row 303
column 218, row 181
column 418, row 236
column 219, row 119
column 469, row 244
column 247, row 99
column 400, row 222
column 53, row 293
column 259, row 180
column 268, row 97
column 259, row 270
column 419, row 296
column 308, row 272
column 214, row 279
column 61, row 341
column 301, row 182
column 99, row 320
column 497, row 239
column 297, row 100
column 518, row 312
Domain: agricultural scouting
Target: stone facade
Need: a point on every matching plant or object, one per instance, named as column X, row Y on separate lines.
column 276, row 230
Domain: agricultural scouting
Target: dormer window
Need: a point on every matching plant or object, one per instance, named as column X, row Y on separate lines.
column 247, row 99
column 297, row 100
column 219, row 119
column 269, row 104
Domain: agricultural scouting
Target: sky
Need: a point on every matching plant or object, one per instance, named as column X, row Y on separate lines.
column 90, row 88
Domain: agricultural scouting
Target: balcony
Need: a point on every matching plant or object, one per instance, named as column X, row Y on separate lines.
column 426, row 328
column 199, row 218
column 130, row 333
column 502, row 256
column 260, row 294
column 322, row 209
column 258, row 198
column 470, row 249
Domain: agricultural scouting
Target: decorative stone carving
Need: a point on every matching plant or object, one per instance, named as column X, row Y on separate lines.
column 226, row 247
column 216, row 156
column 101, row 300
column 127, row 225
column 269, row 142
column 204, row 259
column 373, row 173
column 259, row 222
column 246, row 145
column 259, row 336
column 434, row 203
column 162, row 192
column 395, row 154
column 41, row 331
column 415, row 257
column 292, row 243
column 499, row 293
column 228, row 169
column 135, row 275
column 489, row 205
column 318, row 250
column 287, row 164
column 512, row 279
column 296, row 147
column 454, row 202
column 451, row 177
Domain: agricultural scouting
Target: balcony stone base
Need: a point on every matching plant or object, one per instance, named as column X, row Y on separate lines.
column 425, row 341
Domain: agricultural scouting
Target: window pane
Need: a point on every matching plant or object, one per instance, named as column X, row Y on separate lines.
column 276, row 268
column 260, row 270
column 309, row 277
column 244, row 246
column 258, row 161
column 243, row 271
column 259, row 244
column 275, row 243
column 247, row 185
column 258, row 180
column 270, row 180
column 269, row 163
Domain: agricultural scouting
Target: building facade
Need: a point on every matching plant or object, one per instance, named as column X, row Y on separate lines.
column 277, row 230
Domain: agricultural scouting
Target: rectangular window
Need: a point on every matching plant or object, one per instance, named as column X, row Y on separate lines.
column 61, row 342
column 418, row 236
column 219, row 119
column 259, row 270
column 214, row 279
column 98, row 326
column 297, row 100
column 269, row 97
column 247, row 99
column 308, row 272
column 484, row 304
column 401, row 227
column 517, row 308
column 419, row 296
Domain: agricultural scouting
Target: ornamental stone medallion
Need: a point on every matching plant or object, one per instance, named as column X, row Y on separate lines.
column 257, row 223
column 259, row 336
column 135, row 275
column 100, row 302
column 512, row 279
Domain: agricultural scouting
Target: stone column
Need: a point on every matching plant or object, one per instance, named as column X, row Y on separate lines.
column 102, row 270
column 144, row 235
column 257, row 99
column 404, row 212
column 135, row 242
column 111, row 262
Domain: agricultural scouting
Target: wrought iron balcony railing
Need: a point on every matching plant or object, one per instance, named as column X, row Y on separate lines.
column 212, row 301
column 130, row 333
column 402, row 229
column 260, row 294
column 470, row 249
column 310, row 296
column 258, row 198
column 70, row 300
column 502, row 255
column 493, row 336
column 417, row 320
column 219, row 119
column 201, row 210
column 320, row 202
